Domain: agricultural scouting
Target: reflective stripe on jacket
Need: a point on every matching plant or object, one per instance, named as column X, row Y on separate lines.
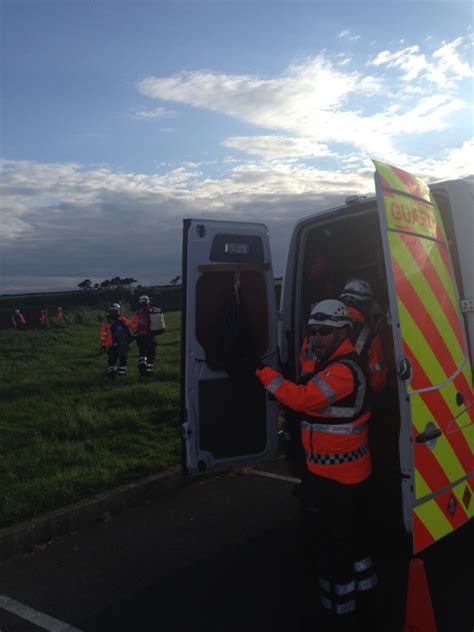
column 334, row 431
column 369, row 348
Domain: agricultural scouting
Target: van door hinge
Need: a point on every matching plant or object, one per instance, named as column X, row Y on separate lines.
column 467, row 305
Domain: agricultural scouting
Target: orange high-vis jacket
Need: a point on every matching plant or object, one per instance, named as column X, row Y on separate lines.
column 141, row 321
column 334, row 428
column 20, row 317
column 106, row 334
column 369, row 347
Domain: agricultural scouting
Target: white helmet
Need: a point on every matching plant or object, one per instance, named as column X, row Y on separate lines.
column 330, row 312
column 115, row 307
column 144, row 299
column 357, row 289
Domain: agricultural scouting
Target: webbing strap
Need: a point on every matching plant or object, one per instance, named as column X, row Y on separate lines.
column 362, row 339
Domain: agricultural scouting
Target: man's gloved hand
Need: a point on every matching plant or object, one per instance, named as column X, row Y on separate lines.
column 250, row 364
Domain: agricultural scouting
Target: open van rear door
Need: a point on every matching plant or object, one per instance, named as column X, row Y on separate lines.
column 229, row 314
column 432, row 360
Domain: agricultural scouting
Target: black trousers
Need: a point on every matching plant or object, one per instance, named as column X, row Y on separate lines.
column 114, row 354
column 146, row 347
column 337, row 536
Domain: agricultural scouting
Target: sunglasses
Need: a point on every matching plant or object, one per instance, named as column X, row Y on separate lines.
column 320, row 331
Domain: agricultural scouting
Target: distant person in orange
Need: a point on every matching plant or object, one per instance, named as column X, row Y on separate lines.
column 18, row 320
column 43, row 319
column 141, row 327
column 359, row 298
column 59, row 313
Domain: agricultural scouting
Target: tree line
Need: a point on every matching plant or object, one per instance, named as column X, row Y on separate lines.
column 107, row 284
column 117, row 283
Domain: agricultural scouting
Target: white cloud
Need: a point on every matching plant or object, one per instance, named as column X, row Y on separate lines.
column 314, row 100
column 157, row 113
column 73, row 222
column 278, row 146
column 444, row 68
column 346, row 34
column 410, row 60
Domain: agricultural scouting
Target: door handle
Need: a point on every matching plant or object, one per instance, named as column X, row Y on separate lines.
column 430, row 433
column 404, row 369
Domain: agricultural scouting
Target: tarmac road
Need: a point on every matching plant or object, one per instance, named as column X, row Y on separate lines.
column 221, row 555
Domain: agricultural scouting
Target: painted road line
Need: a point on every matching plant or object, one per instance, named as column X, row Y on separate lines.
column 34, row 616
column 279, row 477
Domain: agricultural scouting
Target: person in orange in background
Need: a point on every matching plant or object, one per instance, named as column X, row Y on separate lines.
column 59, row 313
column 115, row 338
column 359, row 298
column 334, row 416
column 43, row 319
column 141, row 327
column 18, row 320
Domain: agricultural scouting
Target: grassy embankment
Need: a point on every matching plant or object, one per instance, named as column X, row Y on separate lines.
column 66, row 430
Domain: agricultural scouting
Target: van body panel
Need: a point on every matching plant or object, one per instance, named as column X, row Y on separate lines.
column 431, row 357
column 228, row 418
column 456, row 199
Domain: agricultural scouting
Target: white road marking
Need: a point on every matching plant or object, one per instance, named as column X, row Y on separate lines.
column 279, row 477
column 34, row 616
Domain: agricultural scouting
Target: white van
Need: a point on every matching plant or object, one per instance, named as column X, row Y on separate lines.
column 414, row 244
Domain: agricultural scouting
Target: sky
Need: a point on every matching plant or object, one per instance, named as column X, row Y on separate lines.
column 118, row 119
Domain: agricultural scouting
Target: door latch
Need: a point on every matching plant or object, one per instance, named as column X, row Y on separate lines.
column 404, row 369
column 430, row 435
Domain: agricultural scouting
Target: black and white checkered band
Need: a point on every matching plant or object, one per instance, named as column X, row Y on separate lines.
column 335, row 459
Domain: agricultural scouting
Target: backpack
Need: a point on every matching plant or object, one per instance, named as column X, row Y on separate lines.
column 157, row 321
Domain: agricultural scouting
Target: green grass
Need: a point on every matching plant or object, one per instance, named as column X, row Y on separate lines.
column 66, row 430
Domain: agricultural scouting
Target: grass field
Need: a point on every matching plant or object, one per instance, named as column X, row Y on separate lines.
column 66, row 430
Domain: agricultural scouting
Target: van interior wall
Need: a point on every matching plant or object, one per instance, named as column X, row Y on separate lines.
column 226, row 320
column 231, row 325
column 351, row 247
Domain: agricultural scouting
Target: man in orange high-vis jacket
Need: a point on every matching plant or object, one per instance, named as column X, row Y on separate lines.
column 115, row 338
column 359, row 297
column 334, row 423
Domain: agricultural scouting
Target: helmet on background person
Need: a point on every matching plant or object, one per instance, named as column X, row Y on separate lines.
column 17, row 311
column 115, row 307
column 330, row 313
column 358, row 293
column 144, row 299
